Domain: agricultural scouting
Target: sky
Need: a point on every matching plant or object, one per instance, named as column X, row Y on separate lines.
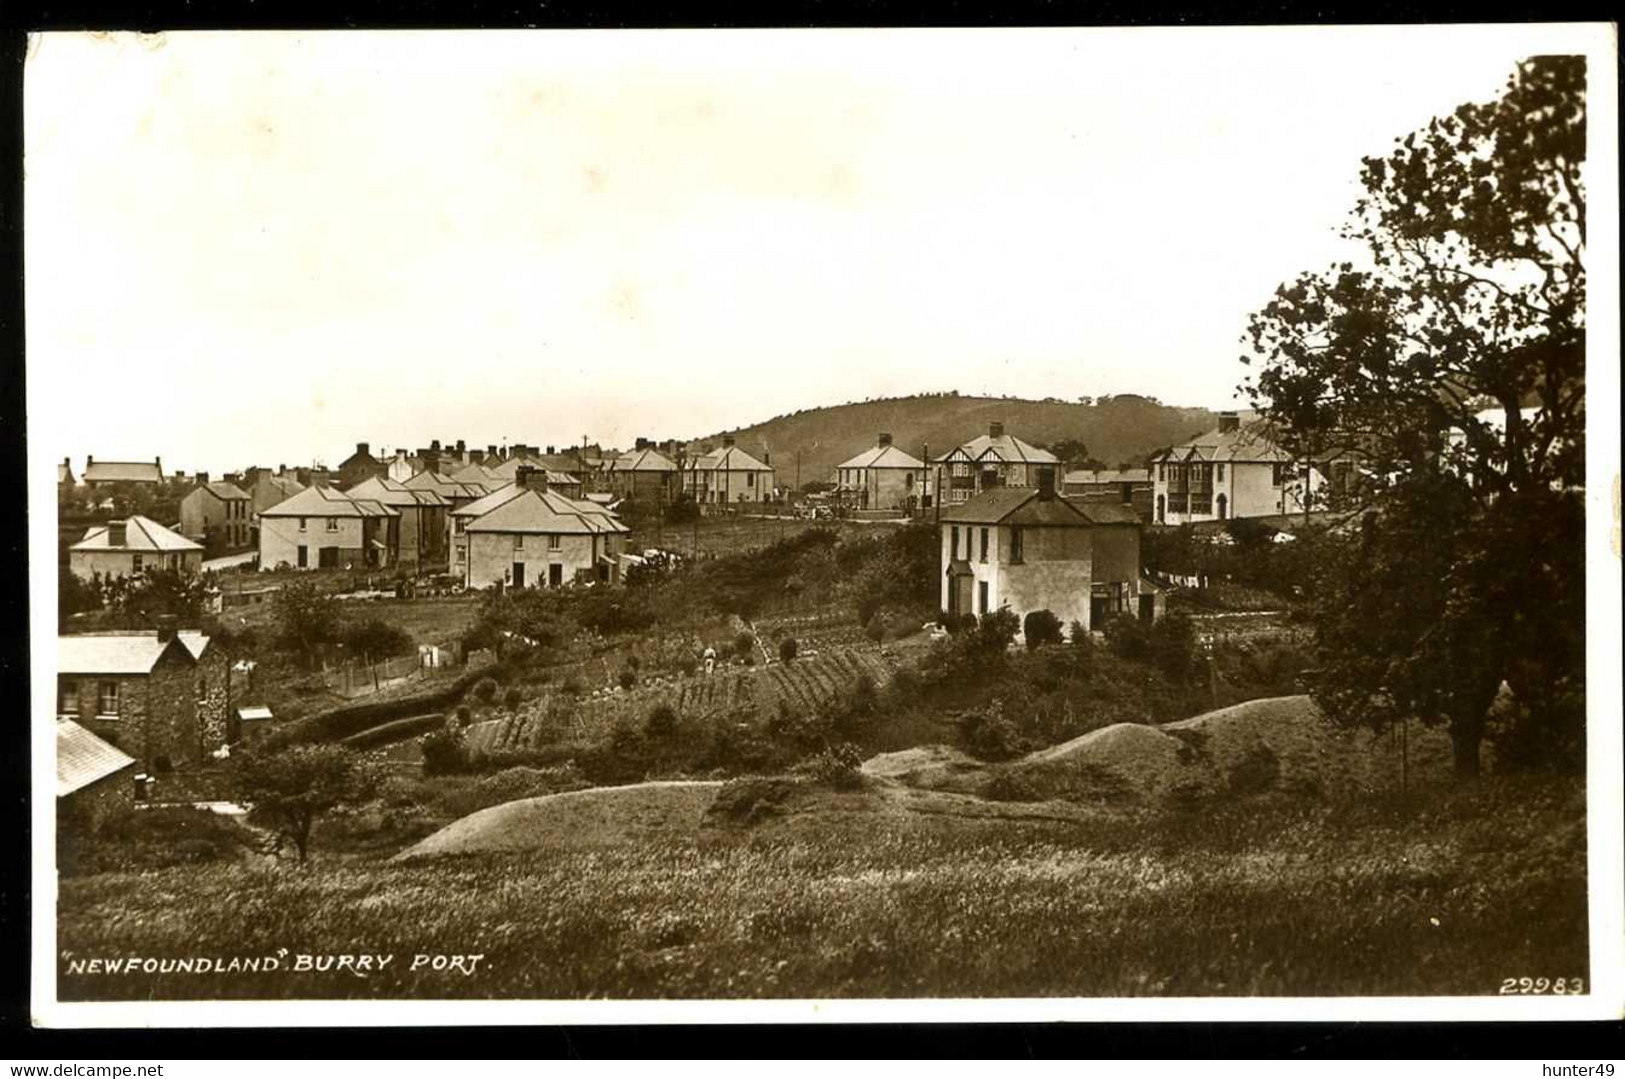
column 263, row 248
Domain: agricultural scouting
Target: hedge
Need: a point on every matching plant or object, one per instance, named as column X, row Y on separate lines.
column 396, row 731
column 349, row 719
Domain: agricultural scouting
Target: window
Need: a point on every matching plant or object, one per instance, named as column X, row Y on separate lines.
column 1277, row 474
column 301, row 524
column 750, row 479
column 136, row 562
column 984, row 545
column 107, row 699
column 1221, row 472
column 459, row 553
column 67, row 698
column 981, row 596
column 332, row 524
column 1162, row 472
column 1015, row 543
column 953, row 542
column 457, row 524
column 519, row 541
column 555, row 542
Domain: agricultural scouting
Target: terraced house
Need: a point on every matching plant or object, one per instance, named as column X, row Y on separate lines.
column 989, row 461
column 1029, row 549
column 130, row 547
column 644, row 474
column 526, row 535
column 323, row 528
column 422, row 527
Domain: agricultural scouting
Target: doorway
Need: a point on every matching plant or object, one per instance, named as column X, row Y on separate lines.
column 519, row 575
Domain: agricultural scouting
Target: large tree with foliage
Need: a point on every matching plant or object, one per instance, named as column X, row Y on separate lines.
column 289, row 789
column 1449, row 361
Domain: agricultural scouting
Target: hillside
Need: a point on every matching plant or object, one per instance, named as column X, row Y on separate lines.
column 1120, row 428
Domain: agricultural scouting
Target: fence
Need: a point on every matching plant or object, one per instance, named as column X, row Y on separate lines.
column 361, row 678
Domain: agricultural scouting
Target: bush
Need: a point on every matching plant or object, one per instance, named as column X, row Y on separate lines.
column 875, row 630
column 1077, row 635
column 627, row 679
column 750, row 659
column 839, row 767
column 463, row 716
column 991, row 735
column 662, row 721
column 747, row 801
column 1040, row 628
column 485, row 690
column 995, row 631
column 572, row 685
column 788, row 649
column 445, row 752
column 744, row 644
column 512, row 699
column 376, row 639
column 688, row 665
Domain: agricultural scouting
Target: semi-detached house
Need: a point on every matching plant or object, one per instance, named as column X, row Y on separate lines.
column 322, row 528
column 526, row 535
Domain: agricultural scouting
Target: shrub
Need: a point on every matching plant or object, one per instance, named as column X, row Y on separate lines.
column 1041, row 628
column 572, row 685
column 376, row 639
column 662, row 721
column 744, row 644
column 463, row 716
column 788, row 649
column 868, row 608
column 1077, row 635
column 688, row 665
column 627, row 679
column 991, row 735
column 485, row 690
column 875, row 630
column 839, row 767
column 750, row 659
column 995, row 631
column 513, row 699
column 747, row 801
column 445, row 752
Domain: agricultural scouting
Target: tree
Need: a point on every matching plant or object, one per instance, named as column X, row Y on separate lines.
column 1041, row 627
column 1450, row 366
column 307, row 618
column 292, row 787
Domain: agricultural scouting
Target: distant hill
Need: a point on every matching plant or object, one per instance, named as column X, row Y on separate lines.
column 1115, row 429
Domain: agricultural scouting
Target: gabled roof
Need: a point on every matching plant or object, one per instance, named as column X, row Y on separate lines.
column 140, row 534
column 327, row 502
column 286, row 485
column 527, row 510
column 1248, row 443
column 64, row 473
column 888, row 456
column 82, row 758
column 486, row 503
column 479, row 474
column 444, row 486
column 1006, row 448
column 1104, row 475
column 727, row 459
column 394, row 493
column 1022, row 506
column 226, row 492
column 121, row 653
column 646, row 460
column 509, row 469
column 123, row 472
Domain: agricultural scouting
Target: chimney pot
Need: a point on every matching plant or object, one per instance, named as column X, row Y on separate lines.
column 363, row 448
column 884, row 439
column 166, row 628
column 995, row 430
column 1229, row 421
column 727, row 442
column 460, row 446
column 1046, row 482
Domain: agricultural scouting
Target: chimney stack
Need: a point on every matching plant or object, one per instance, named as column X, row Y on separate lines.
column 883, row 440
column 642, row 444
column 363, row 448
column 115, row 533
column 995, row 430
column 1229, row 421
column 727, row 442
column 531, row 479
column 1046, row 483
column 203, row 477
column 491, row 452
column 166, row 628
column 461, row 446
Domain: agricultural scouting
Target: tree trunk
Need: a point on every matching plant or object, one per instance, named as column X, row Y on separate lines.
column 1464, row 743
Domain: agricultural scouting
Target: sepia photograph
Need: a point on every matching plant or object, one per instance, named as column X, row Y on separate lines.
column 823, row 524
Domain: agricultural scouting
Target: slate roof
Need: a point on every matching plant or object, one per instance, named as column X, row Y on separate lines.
column 883, row 457
column 327, row 502
column 1022, row 506
column 509, row 469
column 121, row 653
column 64, row 473
column 140, row 534
column 226, row 492
column 478, row 474
column 531, row 511
column 82, row 758
column 1006, row 448
column 728, row 459
column 642, row 461
column 1247, row 443
column 123, row 472
column 394, row 493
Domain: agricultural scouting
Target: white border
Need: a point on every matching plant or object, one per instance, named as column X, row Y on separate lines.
column 1606, row 796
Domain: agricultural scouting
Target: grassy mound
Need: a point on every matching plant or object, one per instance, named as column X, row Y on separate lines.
column 598, row 816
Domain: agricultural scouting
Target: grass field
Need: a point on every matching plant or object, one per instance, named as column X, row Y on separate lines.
column 1445, row 892
column 724, row 535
